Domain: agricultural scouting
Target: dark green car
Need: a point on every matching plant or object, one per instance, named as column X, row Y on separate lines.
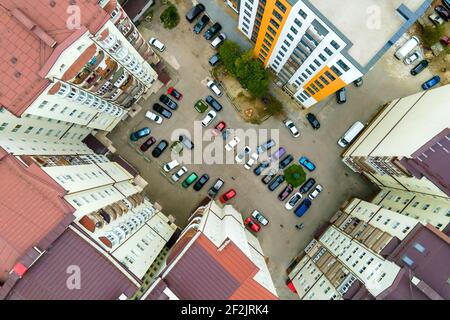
column 189, row 180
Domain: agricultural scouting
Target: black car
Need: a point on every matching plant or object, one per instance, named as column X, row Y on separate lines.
column 276, row 183
column 313, row 121
column 162, row 111
column 213, row 103
column 211, row 32
column 201, row 24
column 286, row 192
column 214, row 190
column 443, row 12
column 358, row 82
column 195, row 12
column 341, row 97
column 307, row 185
column 285, row 162
column 168, row 102
column 267, row 178
column 201, row 182
column 215, row 59
column 419, row 68
column 159, row 149
column 260, row 168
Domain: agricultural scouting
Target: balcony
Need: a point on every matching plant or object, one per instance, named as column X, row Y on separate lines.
column 133, row 36
column 116, row 15
column 107, row 68
column 125, row 26
column 127, row 83
column 122, row 53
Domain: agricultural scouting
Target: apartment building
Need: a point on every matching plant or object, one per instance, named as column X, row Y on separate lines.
column 369, row 252
column 68, row 69
column 406, row 146
column 315, row 48
column 215, row 258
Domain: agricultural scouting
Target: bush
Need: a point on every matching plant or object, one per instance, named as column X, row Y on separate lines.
column 273, row 105
column 295, row 175
column 230, row 52
column 432, row 34
column 170, row 17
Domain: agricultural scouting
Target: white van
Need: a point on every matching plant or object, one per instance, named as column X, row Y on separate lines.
column 351, row 134
column 401, row 53
column 214, row 88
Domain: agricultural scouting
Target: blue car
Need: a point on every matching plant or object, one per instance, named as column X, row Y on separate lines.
column 303, row 207
column 304, row 161
column 431, row 83
column 135, row 136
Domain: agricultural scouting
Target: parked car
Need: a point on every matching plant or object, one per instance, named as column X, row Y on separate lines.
column 292, row 128
column 154, row 117
column 147, row 144
column 436, row 18
column 265, row 146
column 213, row 103
column 419, row 67
column 276, row 183
column 307, row 186
column 159, row 149
column 177, row 175
column 351, row 134
column 201, row 106
column 233, row 143
column 260, row 168
column 214, row 190
column 286, row 192
column 445, row 40
column 358, row 82
column 214, row 88
column 171, row 165
column 176, row 147
column 162, row 111
column 168, row 102
column 304, row 161
column 195, row 12
column 446, row 4
column 443, row 12
column 290, row 204
column 226, row 133
column 212, row 31
column 303, row 207
column 214, row 60
column 135, row 136
column 252, row 224
column 186, row 141
column 189, row 180
column 230, row 194
column 219, row 128
column 218, row 40
column 431, row 83
column 277, row 154
column 407, row 47
column 414, row 56
column 201, row 182
column 313, row 121
column 285, row 161
column 341, row 96
column 210, row 116
column 260, row 218
column 175, row 93
column 269, row 176
column 201, row 24
column 318, row 189
column 251, row 161
column 241, row 155
column 157, row 44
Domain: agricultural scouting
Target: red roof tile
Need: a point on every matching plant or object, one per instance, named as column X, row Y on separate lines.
column 24, row 224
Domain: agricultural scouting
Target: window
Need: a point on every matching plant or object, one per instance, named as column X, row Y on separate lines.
column 283, row 48
column 425, row 206
column 29, row 130
column 277, row 15
column 293, row 30
column 408, row 260
column 334, row 44
column 343, row 65
column 274, row 23
column 249, row 7
column 328, row 51
column 43, row 104
column 312, row 67
column 336, row 71
column 324, row 80
column 267, row 42
column 298, row 23
column 322, row 57
column 415, row 204
column 302, row 14
column 317, row 62
column 280, row 6
column 268, row 36
column 16, row 128
column 319, row 84
column 3, row 126
column 419, row 247
column 271, row 30
column 287, row 43
column 290, row 37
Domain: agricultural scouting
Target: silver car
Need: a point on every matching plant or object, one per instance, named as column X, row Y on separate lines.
column 177, row 175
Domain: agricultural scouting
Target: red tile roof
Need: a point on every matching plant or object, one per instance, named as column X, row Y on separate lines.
column 24, row 224
column 25, row 52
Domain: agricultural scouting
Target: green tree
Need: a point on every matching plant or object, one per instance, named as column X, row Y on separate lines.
column 170, row 17
column 295, row 175
column 432, row 34
column 230, row 52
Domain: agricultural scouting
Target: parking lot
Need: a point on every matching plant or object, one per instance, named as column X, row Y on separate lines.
column 188, row 54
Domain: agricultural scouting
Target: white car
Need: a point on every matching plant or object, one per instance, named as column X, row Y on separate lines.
column 290, row 204
column 171, row 165
column 253, row 158
column 260, row 218
column 214, row 88
column 233, row 143
column 176, row 176
column 154, row 117
column 316, row 192
column 241, row 155
column 416, row 55
column 292, row 128
column 209, row 118
column 218, row 40
column 157, row 44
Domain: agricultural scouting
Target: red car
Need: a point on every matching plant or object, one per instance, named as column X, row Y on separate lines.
column 252, row 224
column 174, row 93
column 230, row 194
column 445, row 40
column 148, row 143
column 219, row 128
